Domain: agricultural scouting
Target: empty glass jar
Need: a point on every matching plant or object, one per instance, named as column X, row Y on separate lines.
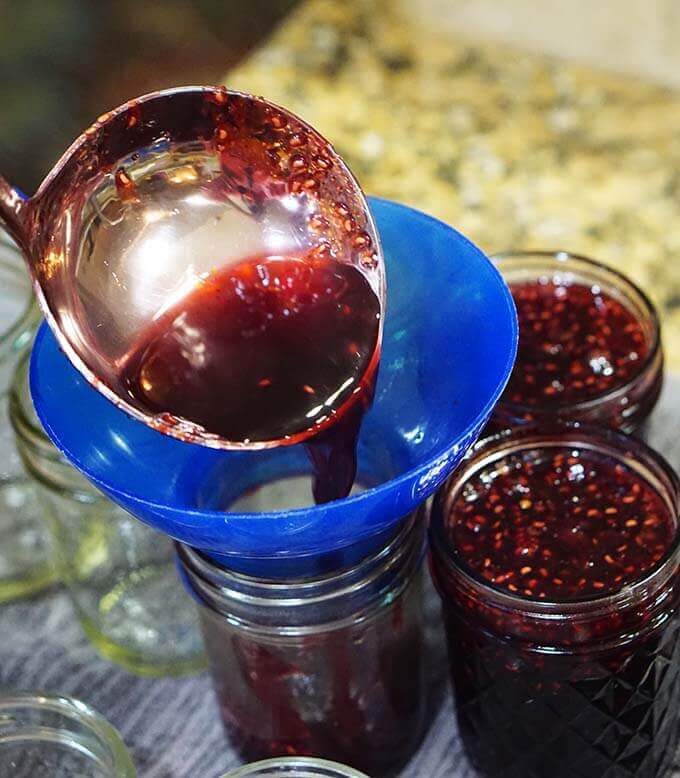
column 294, row 767
column 330, row 666
column 119, row 573
column 58, row 737
column 25, row 565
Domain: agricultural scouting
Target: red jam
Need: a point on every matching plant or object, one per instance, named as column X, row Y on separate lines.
column 263, row 351
column 557, row 566
column 560, row 523
column 583, row 354
column 575, row 342
column 354, row 697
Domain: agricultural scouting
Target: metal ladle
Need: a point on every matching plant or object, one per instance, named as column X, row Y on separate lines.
column 128, row 220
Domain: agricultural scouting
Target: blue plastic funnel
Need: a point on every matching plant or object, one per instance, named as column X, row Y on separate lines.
column 449, row 345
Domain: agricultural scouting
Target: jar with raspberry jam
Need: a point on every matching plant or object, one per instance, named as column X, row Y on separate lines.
column 589, row 344
column 331, row 666
column 556, row 555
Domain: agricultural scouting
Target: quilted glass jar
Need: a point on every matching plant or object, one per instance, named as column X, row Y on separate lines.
column 583, row 686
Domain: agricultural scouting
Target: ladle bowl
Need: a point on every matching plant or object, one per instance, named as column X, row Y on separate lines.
column 160, row 193
column 449, row 345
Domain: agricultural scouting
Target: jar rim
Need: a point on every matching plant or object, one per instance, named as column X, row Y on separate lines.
column 222, row 575
column 532, row 436
column 104, row 733
column 354, row 592
column 653, row 358
column 42, row 460
column 312, row 766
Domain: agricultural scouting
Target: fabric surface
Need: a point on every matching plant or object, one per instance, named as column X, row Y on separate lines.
column 172, row 726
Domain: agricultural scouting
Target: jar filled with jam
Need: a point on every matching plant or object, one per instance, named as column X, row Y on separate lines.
column 589, row 344
column 555, row 552
column 330, row 666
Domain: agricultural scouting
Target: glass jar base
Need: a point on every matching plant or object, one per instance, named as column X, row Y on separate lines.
column 126, row 619
column 137, row 662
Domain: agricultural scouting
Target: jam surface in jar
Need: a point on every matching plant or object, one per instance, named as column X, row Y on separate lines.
column 560, row 523
column 562, row 627
column 576, row 342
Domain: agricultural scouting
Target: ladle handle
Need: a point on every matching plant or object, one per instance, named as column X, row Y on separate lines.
column 12, row 210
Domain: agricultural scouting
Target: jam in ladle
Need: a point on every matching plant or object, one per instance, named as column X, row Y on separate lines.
column 208, row 263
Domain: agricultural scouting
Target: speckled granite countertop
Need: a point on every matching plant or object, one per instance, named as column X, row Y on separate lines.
column 514, row 149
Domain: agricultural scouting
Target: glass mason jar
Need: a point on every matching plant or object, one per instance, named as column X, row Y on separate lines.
column 587, row 384
column 294, row 767
column 47, row 737
column 25, row 566
column 120, row 574
column 582, row 687
column 332, row 666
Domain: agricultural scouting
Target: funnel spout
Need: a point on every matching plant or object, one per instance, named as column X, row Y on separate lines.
column 12, row 207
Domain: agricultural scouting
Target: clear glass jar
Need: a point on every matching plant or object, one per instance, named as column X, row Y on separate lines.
column 622, row 402
column 58, row 737
column 120, row 574
column 19, row 315
column 580, row 687
column 294, row 767
column 25, row 566
column 332, row 666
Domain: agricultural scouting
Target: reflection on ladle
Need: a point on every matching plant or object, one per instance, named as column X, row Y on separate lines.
column 204, row 194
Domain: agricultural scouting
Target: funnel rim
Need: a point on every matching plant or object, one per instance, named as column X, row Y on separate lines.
column 472, row 429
